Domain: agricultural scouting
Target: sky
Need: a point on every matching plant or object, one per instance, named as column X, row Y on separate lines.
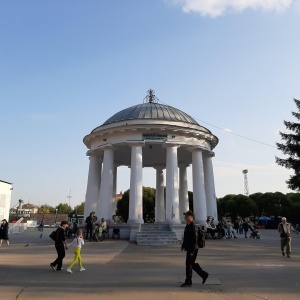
column 67, row 66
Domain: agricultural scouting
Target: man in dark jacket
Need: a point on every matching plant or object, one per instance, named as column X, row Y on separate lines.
column 60, row 246
column 89, row 226
column 190, row 245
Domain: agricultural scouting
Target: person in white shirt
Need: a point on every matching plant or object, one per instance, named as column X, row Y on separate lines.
column 78, row 242
column 103, row 224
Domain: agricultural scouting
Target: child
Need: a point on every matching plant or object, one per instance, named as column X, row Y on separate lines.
column 78, row 242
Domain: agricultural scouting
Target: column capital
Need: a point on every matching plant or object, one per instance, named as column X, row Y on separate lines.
column 105, row 147
column 209, row 153
column 136, row 143
column 172, row 144
column 183, row 164
column 159, row 166
column 197, row 148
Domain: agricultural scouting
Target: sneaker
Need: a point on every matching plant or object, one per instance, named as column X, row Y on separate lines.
column 82, row 269
column 204, row 278
column 283, row 253
column 53, row 267
column 69, row 270
column 288, row 256
column 186, row 284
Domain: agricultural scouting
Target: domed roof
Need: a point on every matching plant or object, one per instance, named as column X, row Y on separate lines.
column 151, row 110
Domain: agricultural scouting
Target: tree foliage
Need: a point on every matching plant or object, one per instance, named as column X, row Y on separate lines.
column 291, row 148
column 79, row 209
column 259, row 204
column 46, row 209
column 64, row 208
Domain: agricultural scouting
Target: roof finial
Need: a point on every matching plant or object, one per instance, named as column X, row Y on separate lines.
column 151, row 96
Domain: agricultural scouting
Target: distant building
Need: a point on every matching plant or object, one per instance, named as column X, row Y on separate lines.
column 5, row 199
column 23, row 210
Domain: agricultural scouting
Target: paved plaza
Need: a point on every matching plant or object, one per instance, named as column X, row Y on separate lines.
column 116, row 269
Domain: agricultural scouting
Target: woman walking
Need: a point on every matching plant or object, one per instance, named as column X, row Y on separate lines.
column 78, row 242
column 4, row 232
column 60, row 246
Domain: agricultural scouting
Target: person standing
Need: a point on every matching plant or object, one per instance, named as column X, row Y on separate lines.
column 60, row 246
column 284, row 229
column 78, row 242
column 190, row 245
column 89, row 226
column 4, row 232
column 245, row 228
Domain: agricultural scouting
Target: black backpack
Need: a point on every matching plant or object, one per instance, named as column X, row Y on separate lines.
column 201, row 238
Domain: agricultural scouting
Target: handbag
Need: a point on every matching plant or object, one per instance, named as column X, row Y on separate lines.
column 53, row 235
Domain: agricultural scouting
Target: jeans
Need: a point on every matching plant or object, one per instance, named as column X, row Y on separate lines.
column 191, row 265
column 76, row 258
column 89, row 230
column 61, row 253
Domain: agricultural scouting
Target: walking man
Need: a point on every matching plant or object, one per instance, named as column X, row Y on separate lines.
column 60, row 246
column 284, row 229
column 190, row 245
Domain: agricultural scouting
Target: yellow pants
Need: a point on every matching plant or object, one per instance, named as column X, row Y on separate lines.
column 77, row 257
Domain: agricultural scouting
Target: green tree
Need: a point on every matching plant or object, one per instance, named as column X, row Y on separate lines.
column 79, row 209
column 46, row 209
column 222, row 205
column 245, row 206
column 149, row 204
column 276, row 204
column 291, row 148
column 64, row 208
column 259, row 201
column 123, row 206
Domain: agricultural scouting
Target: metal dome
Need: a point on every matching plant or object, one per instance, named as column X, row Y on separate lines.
column 151, row 110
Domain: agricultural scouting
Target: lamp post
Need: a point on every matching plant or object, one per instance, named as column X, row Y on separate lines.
column 55, row 215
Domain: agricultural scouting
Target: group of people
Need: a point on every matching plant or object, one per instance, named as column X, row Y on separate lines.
column 226, row 230
column 95, row 230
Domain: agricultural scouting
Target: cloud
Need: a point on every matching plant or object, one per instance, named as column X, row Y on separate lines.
column 215, row 8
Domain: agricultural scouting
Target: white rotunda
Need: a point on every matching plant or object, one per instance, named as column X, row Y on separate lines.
column 156, row 136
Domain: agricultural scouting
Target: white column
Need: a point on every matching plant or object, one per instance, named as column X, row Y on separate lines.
column 92, row 190
column 172, row 193
column 106, row 187
column 211, row 201
column 136, row 185
column 183, row 190
column 198, row 187
column 160, row 211
column 114, row 203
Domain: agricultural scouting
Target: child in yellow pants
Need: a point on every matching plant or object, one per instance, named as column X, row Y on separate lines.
column 78, row 242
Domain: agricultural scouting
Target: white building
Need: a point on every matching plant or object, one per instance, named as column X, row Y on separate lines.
column 156, row 136
column 5, row 199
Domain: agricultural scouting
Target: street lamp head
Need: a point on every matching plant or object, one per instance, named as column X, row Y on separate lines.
column 245, row 171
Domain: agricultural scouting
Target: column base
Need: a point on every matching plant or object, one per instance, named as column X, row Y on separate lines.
column 135, row 221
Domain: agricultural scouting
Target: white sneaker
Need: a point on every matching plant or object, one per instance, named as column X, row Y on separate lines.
column 69, row 270
column 82, row 269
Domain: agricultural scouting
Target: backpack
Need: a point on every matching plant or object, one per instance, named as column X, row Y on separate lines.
column 201, row 238
column 53, row 235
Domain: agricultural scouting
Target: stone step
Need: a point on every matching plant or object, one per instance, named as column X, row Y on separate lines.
column 156, row 235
